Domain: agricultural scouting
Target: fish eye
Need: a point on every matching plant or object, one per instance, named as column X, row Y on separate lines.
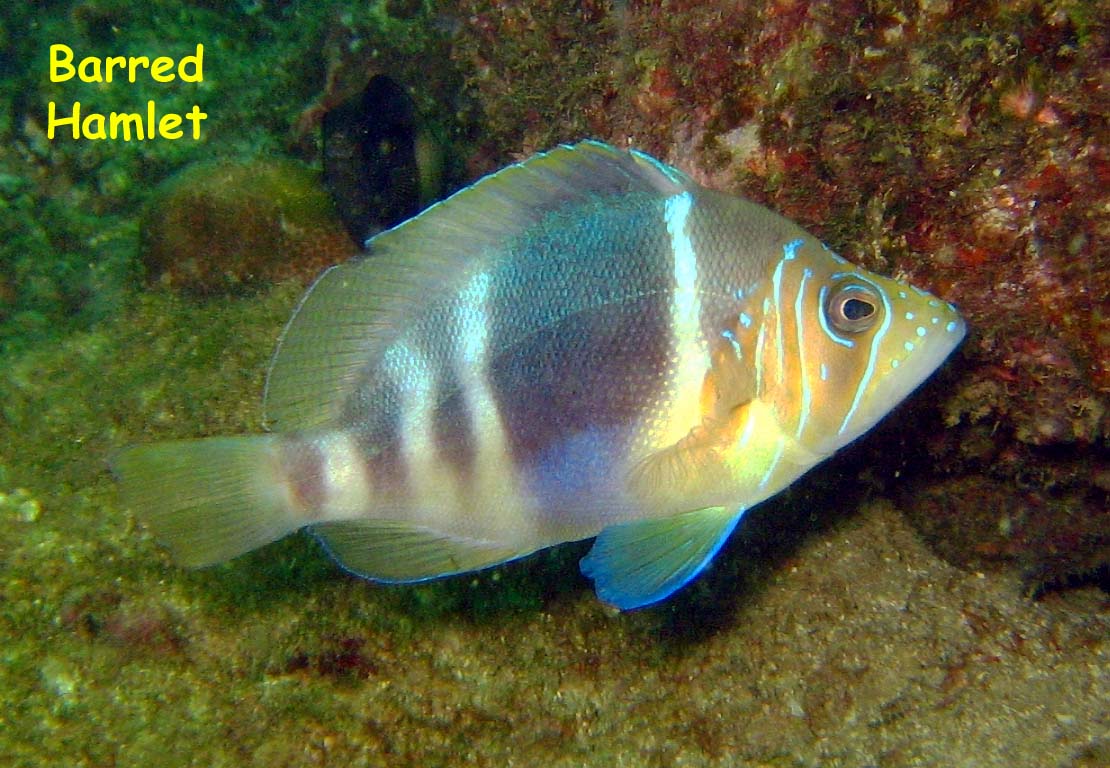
column 852, row 308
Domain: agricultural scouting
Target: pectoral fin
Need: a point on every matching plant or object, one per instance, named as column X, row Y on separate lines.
column 636, row 564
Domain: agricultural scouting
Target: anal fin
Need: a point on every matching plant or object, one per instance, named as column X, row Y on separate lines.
column 398, row 552
column 636, row 564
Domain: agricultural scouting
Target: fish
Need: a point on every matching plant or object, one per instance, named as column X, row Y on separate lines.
column 587, row 343
column 370, row 158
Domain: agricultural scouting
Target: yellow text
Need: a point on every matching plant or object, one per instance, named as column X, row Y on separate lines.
column 91, row 69
column 121, row 124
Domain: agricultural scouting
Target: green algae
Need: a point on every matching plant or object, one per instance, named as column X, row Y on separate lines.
column 67, row 206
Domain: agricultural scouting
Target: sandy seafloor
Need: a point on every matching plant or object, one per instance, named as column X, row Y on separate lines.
column 852, row 645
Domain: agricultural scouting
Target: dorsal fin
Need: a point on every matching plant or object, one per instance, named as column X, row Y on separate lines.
column 354, row 310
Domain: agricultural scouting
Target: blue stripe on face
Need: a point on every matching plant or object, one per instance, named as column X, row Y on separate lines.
column 759, row 343
column 790, row 250
column 825, row 323
column 759, row 357
column 876, row 342
column 776, row 284
column 803, row 414
column 836, row 256
column 727, row 334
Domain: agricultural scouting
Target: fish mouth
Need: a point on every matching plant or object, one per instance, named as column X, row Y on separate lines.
column 921, row 359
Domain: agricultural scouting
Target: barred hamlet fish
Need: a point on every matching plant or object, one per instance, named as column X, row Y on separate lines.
column 587, row 343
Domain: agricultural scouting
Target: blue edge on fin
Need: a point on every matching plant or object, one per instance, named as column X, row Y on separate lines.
column 633, row 565
column 636, row 564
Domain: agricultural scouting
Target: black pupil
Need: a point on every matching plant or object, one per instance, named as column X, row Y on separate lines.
column 857, row 309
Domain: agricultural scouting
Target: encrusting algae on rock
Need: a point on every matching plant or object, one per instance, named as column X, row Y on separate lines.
column 957, row 145
column 225, row 225
column 588, row 343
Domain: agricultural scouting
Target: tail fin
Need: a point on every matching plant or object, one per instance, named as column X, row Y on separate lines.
column 208, row 500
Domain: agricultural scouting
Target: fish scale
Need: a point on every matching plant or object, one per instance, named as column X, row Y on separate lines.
column 587, row 343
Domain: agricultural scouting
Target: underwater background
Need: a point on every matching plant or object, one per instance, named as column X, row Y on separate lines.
column 934, row 595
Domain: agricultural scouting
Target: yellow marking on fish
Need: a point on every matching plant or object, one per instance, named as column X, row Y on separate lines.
column 762, row 458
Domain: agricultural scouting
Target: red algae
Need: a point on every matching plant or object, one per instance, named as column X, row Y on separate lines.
column 960, row 145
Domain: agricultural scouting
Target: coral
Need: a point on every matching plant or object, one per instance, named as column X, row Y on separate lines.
column 226, row 225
